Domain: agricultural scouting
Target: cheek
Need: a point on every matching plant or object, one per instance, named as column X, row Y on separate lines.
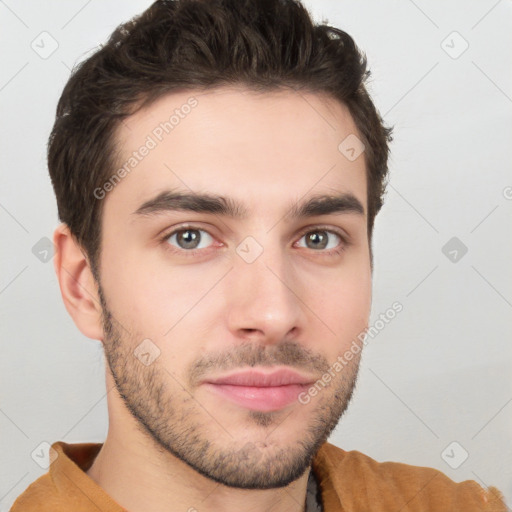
column 159, row 301
column 343, row 303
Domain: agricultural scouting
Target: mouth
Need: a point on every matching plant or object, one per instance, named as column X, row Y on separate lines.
column 258, row 390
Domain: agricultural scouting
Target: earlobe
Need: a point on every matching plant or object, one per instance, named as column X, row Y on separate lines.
column 77, row 284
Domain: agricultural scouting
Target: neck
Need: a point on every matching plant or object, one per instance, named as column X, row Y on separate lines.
column 154, row 481
column 142, row 477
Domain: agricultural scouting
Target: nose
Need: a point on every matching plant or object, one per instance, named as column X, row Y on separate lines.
column 263, row 299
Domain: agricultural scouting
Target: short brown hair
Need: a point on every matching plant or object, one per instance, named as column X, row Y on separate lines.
column 199, row 44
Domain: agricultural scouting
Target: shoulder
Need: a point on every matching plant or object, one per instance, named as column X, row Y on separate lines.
column 38, row 496
column 394, row 484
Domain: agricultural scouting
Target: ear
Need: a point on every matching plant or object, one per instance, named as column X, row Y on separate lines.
column 77, row 284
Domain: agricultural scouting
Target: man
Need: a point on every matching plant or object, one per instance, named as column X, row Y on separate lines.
column 218, row 166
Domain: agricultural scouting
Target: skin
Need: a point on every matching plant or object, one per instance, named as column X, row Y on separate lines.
column 172, row 443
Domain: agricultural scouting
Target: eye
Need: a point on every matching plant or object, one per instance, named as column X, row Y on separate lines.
column 188, row 239
column 322, row 239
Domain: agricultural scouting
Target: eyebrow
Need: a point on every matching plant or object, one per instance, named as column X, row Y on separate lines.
column 169, row 201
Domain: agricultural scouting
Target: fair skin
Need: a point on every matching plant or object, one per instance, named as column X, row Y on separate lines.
column 174, row 441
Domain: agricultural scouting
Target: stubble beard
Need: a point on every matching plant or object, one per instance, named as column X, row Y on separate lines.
column 176, row 423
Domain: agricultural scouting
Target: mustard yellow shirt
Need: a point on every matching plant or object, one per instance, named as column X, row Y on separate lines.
column 348, row 482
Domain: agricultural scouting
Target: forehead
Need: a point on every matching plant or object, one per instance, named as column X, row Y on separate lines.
column 260, row 149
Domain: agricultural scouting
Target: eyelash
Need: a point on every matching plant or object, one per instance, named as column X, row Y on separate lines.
column 193, row 252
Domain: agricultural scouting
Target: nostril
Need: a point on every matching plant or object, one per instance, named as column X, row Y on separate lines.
column 249, row 331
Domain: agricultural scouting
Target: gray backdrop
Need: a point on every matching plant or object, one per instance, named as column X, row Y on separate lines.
column 435, row 384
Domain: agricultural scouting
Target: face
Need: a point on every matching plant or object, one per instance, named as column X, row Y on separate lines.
column 229, row 286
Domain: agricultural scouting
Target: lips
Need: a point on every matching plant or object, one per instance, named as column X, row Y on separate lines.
column 254, row 378
column 259, row 390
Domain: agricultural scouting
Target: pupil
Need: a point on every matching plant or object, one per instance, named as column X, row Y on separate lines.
column 189, row 238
